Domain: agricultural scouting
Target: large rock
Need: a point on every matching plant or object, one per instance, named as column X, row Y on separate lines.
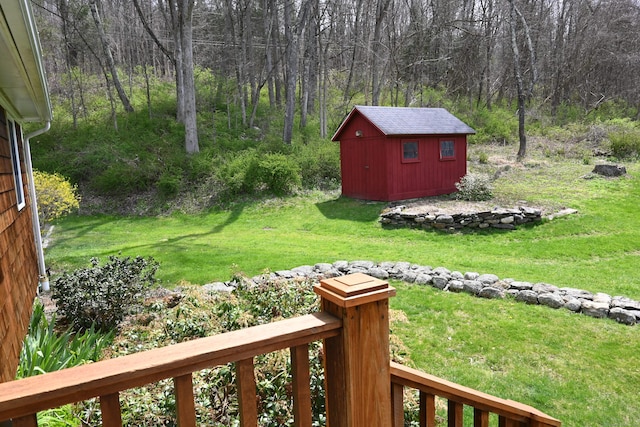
column 622, row 316
column 378, row 273
column 528, row 296
column 488, row 279
column 440, row 282
column 595, row 309
column 609, row 170
column 472, row 286
column 551, row 299
column 491, row 292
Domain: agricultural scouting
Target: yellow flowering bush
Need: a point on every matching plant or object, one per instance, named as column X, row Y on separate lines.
column 56, row 196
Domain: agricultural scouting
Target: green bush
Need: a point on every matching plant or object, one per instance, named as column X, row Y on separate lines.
column 44, row 350
column 319, row 165
column 169, row 183
column 237, row 173
column 103, row 295
column 278, row 173
column 625, row 144
column 56, row 196
column 474, row 187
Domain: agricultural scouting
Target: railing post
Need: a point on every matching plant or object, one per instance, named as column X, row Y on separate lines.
column 357, row 372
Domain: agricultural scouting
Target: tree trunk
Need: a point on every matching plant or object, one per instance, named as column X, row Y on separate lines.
column 109, row 58
column 522, row 148
column 185, row 13
column 292, row 35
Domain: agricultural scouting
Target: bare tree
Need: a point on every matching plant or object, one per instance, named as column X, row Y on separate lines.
column 109, row 57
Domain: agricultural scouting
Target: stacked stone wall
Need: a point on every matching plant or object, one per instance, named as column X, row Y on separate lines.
column 506, row 219
column 600, row 305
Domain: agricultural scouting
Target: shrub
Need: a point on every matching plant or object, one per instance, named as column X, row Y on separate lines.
column 46, row 351
column 474, row 187
column 236, row 174
column 103, row 295
column 319, row 165
column 169, row 183
column 278, row 173
column 625, row 144
column 56, row 196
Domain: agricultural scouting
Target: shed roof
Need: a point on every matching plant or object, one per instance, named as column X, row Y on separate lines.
column 409, row 121
column 23, row 86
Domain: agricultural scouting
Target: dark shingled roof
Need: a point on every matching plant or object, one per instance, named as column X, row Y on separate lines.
column 413, row 121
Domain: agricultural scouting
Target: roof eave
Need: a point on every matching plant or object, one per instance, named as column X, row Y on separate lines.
column 23, row 85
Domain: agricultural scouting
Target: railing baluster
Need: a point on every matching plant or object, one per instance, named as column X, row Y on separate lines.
column 246, row 380
column 185, row 405
column 26, row 421
column 507, row 422
column 455, row 414
column 397, row 404
column 110, row 408
column 480, row 418
column 301, row 386
column 427, row 409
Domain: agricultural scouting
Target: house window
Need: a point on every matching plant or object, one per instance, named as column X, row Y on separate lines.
column 410, row 152
column 15, row 161
column 447, row 150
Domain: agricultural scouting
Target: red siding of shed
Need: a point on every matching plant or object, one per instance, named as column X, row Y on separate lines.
column 18, row 263
column 372, row 166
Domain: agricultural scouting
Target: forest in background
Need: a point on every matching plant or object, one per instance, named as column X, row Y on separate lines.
column 133, row 81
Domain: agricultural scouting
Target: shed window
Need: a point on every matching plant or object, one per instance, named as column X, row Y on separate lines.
column 410, row 152
column 447, row 150
column 15, row 161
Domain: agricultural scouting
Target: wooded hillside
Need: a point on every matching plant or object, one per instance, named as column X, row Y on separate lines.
column 561, row 52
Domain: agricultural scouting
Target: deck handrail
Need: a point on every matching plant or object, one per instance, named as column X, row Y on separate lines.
column 30, row 395
column 430, row 386
column 363, row 388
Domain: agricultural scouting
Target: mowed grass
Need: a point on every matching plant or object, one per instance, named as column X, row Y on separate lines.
column 583, row 371
column 598, row 249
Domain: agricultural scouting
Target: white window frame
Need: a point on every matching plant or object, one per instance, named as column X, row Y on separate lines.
column 15, row 163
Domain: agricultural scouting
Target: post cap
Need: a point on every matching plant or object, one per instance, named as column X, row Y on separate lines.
column 354, row 289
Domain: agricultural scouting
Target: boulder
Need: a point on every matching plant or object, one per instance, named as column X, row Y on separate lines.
column 595, row 309
column 609, row 170
column 621, row 315
column 551, row 299
column 491, row 292
column 440, row 282
column 528, row 296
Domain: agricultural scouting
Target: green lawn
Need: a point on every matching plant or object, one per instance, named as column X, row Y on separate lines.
column 583, row 371
column 598, row 249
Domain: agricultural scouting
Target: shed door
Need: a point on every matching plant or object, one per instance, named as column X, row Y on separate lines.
column 362, row 170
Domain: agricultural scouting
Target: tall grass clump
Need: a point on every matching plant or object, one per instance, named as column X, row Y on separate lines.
column 45, row 350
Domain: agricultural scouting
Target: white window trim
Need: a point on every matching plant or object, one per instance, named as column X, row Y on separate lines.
column 15, row 164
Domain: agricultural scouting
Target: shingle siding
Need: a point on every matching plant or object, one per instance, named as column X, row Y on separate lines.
column 18, row 264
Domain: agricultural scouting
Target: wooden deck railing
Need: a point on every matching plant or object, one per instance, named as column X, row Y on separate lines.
column 510, row 413
column 354, row 325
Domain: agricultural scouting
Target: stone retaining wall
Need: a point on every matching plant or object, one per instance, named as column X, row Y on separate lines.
column 506, row 219
column 621, row 309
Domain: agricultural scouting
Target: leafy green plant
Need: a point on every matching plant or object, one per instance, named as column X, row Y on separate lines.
column 102, row 295
column 56, row 196
column 474, row 187
column 278, row 173
column 319, row 164
column 625, row 144
column 45, row 350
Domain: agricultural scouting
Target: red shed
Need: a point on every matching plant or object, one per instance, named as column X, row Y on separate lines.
column 396, row 153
